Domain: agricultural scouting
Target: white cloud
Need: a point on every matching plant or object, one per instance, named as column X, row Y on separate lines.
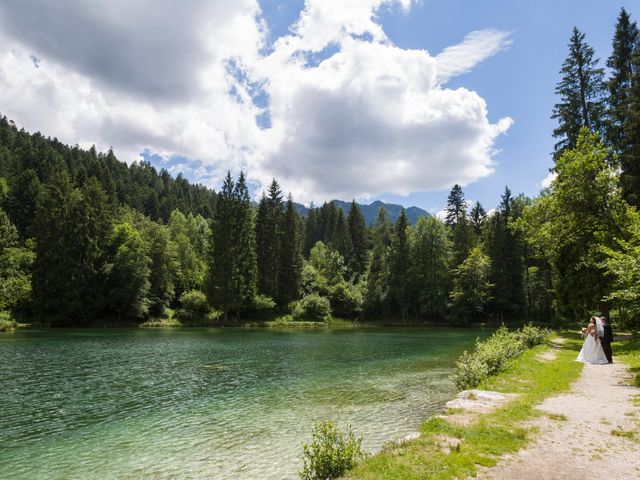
column 546, row 181
column 362, row 119
column 476, row 47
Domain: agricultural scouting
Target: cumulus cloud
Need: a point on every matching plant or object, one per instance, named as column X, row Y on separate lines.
column 349, row 113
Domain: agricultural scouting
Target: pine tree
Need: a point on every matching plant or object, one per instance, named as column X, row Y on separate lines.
column 377, row 291
column 456, row 206
column 22, row 201
column 245, row 269
column 223, row 237
column 268, row 237
column 357, row 257
column 630, row 156
column 507, row 269
column 311, row 234
column 463, row 239
column 400, row 281
column 581, row 92
column 290, row 257
column 477, row 217
column 432, row 257
column 620, row 62
column 341, row 241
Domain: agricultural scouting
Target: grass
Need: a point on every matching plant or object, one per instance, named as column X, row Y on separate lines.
column 169, row 322
column 493, row 435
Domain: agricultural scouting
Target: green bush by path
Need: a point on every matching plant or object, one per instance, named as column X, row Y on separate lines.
column 311, row 307
column 492, row 355
column 331, row 452
column 7, row 323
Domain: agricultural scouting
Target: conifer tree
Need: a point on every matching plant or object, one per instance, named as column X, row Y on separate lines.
column 620, row 62
column 630, row 155
column 477, row 217
column 290, row 257
column 268, row 238
column 245, row 268
column 581, row 92
column 357, row 257
column 22, row 201
column 221, row 266
column 456, row 206
column 377, row 292
column 311, row 234
column 507, row 269
column 341, row 240
column 400, row 281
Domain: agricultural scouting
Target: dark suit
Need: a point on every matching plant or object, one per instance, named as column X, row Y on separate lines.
column 606, row 340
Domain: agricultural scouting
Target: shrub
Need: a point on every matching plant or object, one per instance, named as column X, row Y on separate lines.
column 194, row 307
column 311, row 307
column 331, row 452
column 347, row 300
column 7, row 323
column 494, row 354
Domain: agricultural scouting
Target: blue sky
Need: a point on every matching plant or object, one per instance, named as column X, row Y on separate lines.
column 373, row 99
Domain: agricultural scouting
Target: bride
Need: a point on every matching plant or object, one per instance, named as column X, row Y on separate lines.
column 592, row 351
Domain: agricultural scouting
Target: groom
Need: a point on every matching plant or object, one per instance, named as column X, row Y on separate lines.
column 607, row 338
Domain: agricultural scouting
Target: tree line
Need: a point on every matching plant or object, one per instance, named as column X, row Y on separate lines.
column 85, row 237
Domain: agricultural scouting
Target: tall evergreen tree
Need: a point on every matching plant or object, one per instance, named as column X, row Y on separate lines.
column 221, row 266
column 456, row 206
column 620, row 62
column 463, row 239
column 22, row 201
column 377, row 291
column 477, row 217
column 400, row 282
column 290, row 257
column 245, row 269
column 431, row 255
column 268, row 238
column 357, row 257
column 507, row 269
column 341, row 240
column 630, row 155
column 581, row 92
column 70, row 232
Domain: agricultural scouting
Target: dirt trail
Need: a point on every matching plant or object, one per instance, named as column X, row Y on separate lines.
column 582, row 446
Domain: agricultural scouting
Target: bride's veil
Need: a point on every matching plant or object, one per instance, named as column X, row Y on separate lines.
column 599, row 327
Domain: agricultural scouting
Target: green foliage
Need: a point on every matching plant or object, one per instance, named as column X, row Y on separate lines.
column 290, row 262
column 15, row 268
column 269, row 224
column 581, row 92
column 400, row 278
column 357, row 256
column 623, row 266
column 582, row 213
column 128, row 273
column 311, row 307
column 471, row 288
column 494, row 354
column 7, row 323
column 194, row 308
column 331, row 452
column 431, row 255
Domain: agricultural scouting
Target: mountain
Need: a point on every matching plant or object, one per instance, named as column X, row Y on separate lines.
column 370, row 211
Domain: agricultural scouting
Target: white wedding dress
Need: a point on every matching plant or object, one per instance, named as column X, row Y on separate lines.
column 592, row 351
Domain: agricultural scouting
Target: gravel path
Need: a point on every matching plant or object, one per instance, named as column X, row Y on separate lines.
column 576, row 442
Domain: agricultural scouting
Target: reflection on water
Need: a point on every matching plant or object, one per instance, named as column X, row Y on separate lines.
column 208, row 403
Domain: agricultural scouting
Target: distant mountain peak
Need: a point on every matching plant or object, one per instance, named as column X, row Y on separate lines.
column 370, row 211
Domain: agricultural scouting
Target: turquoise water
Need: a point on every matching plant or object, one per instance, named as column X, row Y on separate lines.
column 209, row 403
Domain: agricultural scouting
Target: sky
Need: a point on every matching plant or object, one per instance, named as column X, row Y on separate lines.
column 394, row 100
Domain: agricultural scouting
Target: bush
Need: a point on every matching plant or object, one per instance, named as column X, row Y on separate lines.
column 494, row 354
column 347, row 300
column 311, row 307
column 194, row 307
column 331, row 453
column 7, row 323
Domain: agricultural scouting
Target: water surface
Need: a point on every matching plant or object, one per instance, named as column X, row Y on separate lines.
column 208, row 403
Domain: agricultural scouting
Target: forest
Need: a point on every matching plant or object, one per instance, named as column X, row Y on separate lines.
column 87, row 239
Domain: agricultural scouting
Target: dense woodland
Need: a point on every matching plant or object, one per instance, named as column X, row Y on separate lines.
column 84, row 238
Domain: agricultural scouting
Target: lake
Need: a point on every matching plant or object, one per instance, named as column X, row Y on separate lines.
column 209, row 403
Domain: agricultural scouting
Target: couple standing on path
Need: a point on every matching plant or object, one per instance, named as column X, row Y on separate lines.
column 597, row 342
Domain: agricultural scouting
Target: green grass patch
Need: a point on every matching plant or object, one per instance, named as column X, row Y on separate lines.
column 492, row 435
column 161, row 323
column 629, row 352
